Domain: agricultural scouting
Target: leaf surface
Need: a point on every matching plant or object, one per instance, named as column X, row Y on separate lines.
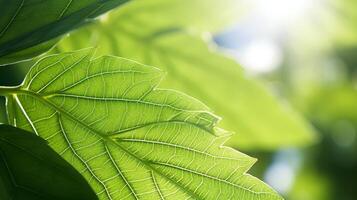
column 30, row 169
column 195, row 67
column 24, row 25
column 129, row 139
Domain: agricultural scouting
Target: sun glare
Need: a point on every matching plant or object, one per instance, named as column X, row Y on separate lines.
column 268, row 23
column 280, row 13
column 261, row 56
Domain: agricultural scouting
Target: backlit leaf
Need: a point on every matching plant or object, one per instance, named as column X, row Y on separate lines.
column 129, row 139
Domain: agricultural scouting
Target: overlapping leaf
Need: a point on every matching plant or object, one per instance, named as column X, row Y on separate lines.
column 28, row 27
column 156, row 38
column 129, row 139
column 31, row 170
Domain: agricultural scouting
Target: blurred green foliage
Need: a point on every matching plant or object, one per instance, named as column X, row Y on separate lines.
column 320, row 77
column 310, row 185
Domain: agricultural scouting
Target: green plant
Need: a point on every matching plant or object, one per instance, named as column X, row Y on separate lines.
column 106, row 116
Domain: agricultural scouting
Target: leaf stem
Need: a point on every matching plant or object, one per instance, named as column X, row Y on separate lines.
column 8, row 90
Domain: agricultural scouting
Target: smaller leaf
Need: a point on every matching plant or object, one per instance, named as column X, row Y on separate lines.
column 30, row 169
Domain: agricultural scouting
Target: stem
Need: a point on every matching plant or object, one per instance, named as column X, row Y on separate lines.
column 8, row 90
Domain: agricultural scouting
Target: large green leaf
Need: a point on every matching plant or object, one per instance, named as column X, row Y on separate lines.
column 200, row 71
column 30, row 169
column 24, row 25
column 128, row 138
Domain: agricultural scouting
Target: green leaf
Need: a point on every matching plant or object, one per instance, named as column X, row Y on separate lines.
column 127, row 138
column 30, row 169
column 195, row 67
column 24, row 25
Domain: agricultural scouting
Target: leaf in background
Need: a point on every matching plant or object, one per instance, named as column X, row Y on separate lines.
column 248, row 109
column 30, row 169
column 202, row 15
column 128, row 138
column 25, row 25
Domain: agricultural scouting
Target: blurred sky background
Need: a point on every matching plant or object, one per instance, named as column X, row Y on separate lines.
column 305, row 53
